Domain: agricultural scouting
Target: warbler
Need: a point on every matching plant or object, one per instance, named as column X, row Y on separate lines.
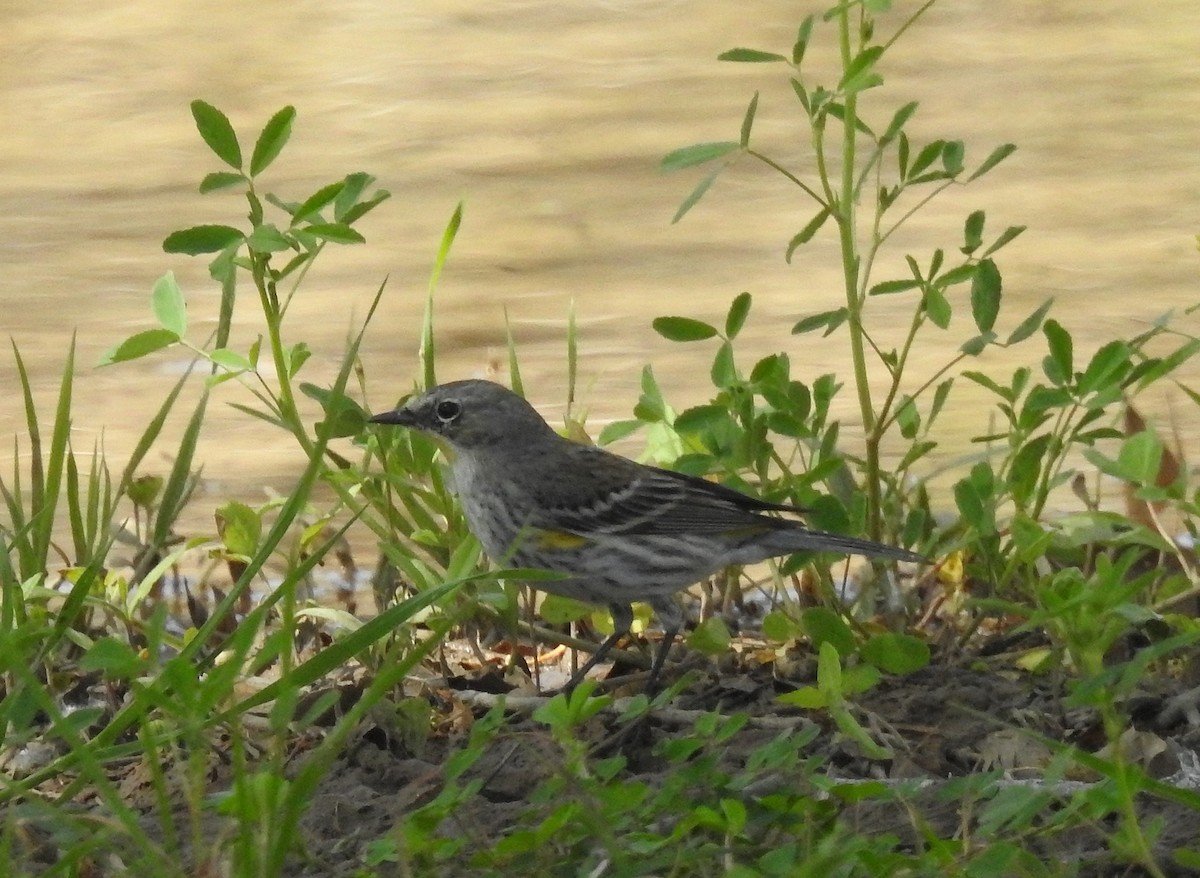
column 619, row 530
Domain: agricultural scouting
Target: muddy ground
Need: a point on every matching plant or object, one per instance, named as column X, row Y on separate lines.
column 953, row 719
column 965, row 715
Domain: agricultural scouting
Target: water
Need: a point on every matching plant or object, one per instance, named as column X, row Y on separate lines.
column 549, row 119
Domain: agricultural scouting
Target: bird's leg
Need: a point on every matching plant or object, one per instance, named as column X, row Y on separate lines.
column 622, row 616
column 670, row 616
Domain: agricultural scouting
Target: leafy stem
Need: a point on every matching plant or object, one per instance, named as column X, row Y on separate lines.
column 845, row 216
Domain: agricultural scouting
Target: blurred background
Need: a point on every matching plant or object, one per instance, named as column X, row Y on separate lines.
column 549, row 119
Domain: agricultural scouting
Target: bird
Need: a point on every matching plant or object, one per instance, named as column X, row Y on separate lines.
column 616, row 530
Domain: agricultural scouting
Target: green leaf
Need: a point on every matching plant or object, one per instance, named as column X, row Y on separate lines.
column 976, row 345
column 771, row 369
column 828, row 320
column 803, row 34
column 940, row 395
column 343, row 416
column 806, row 697
column 296, row 356
column 271, row 141
column 169, row 306
column 735, row 816
column 805, row 234
column 857, row 679
column 723, row 372
column 825, row 626
column 748, row 120
column 750, row 56
column 957, row 275
column 231, row 360
column 969, row 502
column 998, row 155
column 896, row 653
column 698, row 154
column 1061, row 363
column 937, row 306
column 696, row 194
column 357, row 211
column 898, row 122
column 683, row 329
column 1157, row 368
column 317, row 201
column 736, row 317
column 888, row 287
column 1140, row 458
column 268, row 239
column 219, row 180
column 1042, row 399
column 347, row 208
column 1008, row 234
column 239, row 527
column 201, row 239
column 973, row 232
column 701, row 418
column 139, row 345
column 952, row 157
column 710, row 637
column 558, row 610
column 353, row 186
column 779, row 627
column 114, row 658
column 144, row 490
column 338, row 233
column 216, row 131
column 1026, row 468
column 985, row 295
column 986, row 381
column 1030, row 324
column 802, row 95
column 618, row 430
column 926, row 157
column 908, row 419
column 915, row 452
column 1107, row 366
column 860, row 76
column 829, row 671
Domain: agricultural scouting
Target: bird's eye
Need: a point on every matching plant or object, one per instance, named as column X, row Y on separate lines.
column 447, row 410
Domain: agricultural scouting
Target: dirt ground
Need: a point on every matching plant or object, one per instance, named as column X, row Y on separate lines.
column 967, row 715
column 949, row 720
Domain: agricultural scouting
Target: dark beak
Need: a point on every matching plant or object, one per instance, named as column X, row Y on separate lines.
column 401, row 416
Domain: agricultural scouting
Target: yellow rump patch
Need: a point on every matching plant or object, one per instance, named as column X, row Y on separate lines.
column 559, row 539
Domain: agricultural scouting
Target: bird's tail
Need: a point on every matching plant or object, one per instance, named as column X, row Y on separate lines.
column 807, row 540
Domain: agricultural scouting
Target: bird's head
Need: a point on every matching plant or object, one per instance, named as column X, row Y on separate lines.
column 470, row 415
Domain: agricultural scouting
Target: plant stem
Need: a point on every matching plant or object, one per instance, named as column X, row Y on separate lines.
column 774, row 165
column 846, row 219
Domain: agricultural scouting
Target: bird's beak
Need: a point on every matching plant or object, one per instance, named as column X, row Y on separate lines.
column 401, row 417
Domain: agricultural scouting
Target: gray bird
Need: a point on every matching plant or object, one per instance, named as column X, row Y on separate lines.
column 621, row 531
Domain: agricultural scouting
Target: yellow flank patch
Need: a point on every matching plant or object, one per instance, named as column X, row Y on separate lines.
column 559, row 539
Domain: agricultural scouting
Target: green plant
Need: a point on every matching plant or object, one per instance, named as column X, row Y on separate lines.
column 866, row 202
column 171, row 699
column 1044, row 426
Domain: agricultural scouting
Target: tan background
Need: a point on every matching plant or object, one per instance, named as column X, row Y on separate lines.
column 549, row 118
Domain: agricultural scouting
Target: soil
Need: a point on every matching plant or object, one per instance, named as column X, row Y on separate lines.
column 960, row 717
column 948, row 720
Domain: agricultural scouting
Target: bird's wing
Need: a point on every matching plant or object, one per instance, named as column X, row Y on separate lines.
column 624, row 497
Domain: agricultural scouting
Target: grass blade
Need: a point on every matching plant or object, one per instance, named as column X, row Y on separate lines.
column 426, row 352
